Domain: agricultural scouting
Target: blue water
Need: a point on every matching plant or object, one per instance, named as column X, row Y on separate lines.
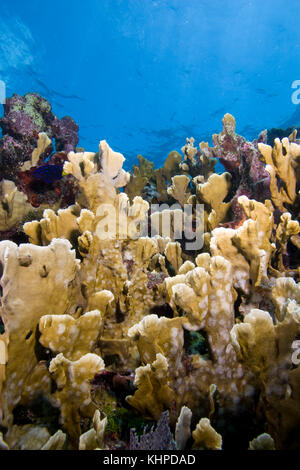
column 144, row 75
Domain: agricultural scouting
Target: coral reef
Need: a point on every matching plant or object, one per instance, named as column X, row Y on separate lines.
column 117, row 336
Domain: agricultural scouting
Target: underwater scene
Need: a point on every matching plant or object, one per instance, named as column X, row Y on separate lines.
column 150, row 225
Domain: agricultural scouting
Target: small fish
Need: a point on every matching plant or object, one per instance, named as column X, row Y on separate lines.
column 48, row 173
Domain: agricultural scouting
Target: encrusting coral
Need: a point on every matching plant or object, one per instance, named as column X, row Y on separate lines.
column 106, row 325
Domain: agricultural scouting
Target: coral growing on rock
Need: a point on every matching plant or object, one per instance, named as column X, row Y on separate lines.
column 24, row 118
column 129, row 324
column 34, row 142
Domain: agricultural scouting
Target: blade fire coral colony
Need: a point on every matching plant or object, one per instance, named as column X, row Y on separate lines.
column 113, row 336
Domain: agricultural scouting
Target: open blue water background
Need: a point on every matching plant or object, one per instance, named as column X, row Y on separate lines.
column 146, row 74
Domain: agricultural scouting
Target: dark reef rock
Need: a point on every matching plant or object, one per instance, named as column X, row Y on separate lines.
column 24, row 118
column 280, row 133
column 66, row 134
column 241, row 159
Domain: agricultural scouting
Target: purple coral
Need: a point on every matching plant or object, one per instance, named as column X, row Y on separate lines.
column 159, row 439
column 19, row 124
column 154, row 279
column 66, row 134
column 241, row 159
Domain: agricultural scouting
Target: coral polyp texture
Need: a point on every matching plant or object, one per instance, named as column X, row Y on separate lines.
column 117, row 336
